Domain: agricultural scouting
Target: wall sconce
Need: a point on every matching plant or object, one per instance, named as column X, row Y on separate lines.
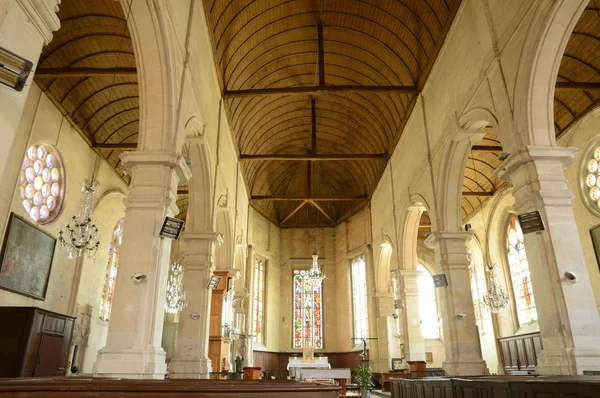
column 214, row 282
column 194, row 315
column 139, row 278
column 14, row 70
column 171, row 228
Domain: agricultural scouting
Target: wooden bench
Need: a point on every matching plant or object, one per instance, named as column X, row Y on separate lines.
column 71, row 387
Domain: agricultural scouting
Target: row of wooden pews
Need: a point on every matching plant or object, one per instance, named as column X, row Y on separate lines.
column 71, row 387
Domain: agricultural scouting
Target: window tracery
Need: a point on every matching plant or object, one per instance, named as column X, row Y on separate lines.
column 359, row 298
column 308, row 309
column 41, row 181
column 111, row 272
column 430, row 322
column 520, row 276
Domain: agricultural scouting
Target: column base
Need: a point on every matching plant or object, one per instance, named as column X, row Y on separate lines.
column 131, row 364
column 567, row 361
column 464, row 368
column 190, row 368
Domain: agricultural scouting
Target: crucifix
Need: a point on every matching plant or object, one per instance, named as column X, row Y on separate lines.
column 364, row 341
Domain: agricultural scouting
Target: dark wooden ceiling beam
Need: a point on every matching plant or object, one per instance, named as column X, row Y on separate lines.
column 84, row 72
column 123, row 145
column 318, row 157
column 321, row 56
column 318, row 207
column 487, row 148
column 307, row 197
column 471, row 193
column 315, row 90
column 573, row 86
column 301, row 205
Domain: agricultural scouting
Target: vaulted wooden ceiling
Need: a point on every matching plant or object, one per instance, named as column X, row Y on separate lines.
column 318, row 92
column 308, row 132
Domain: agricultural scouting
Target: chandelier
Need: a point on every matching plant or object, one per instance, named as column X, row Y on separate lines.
column 176, row 296
column 81, row 234
column 315, row 275
column 496, row 299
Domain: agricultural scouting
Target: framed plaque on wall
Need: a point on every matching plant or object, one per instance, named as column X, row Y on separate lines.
column 26, row 258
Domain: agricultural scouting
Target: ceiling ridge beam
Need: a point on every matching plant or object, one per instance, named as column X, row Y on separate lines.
column 317, row 157
column 44, row 73
column 319, row 90
column 307, row 197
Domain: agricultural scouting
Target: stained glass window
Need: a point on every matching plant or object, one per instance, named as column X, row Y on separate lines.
column 475, row 291
column 258, row 301
column 41, row 182
column 430, row 322
column 359, row 298
column 308, row 307
column 519, row 272
column 111, row 272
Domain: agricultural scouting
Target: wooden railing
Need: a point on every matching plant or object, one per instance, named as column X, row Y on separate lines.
column 519, row 353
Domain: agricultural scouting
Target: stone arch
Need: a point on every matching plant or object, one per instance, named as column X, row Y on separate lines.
column 382, row 271
column 224, row 254
column 200, row 209
column 409, row 233
column 549, row 31
column 155, row 60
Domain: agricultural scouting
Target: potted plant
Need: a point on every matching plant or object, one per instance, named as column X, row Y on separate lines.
column 363, row 377
column 239, row 361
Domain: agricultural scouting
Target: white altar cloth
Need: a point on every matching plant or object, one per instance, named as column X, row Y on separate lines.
column 322, row 373
column 296, row 363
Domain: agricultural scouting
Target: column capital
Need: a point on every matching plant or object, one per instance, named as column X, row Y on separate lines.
column 133, row 159
column 42, row 14
column 540, row 155
column 437, row 237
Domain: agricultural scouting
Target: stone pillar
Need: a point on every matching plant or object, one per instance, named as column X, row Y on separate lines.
column 386, row 342
column 415, row 343
column 191, row 350
column 25, row 27
column 568, row 317
column 249, row 359
column 463, row 353
column 133, row 346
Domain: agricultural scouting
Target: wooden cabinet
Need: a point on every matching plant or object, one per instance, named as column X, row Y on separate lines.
column 34, row 342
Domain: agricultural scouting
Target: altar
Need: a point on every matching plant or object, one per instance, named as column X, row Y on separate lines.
column 295, row 363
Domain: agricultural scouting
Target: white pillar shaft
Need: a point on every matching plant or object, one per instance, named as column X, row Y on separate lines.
column 385, row 331
column 415, row 343
column 463, row 353
column 133, row 347
column 568, row 317
column 191, row 351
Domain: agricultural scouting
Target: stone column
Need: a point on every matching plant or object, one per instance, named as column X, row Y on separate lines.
column 191, row 350
column 133, row 346
column 568, row 317
column 463, row 353
column 415, row 344
column 249, row 359
column 386, row 342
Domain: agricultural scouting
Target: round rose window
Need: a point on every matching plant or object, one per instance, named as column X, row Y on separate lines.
column 42, row 181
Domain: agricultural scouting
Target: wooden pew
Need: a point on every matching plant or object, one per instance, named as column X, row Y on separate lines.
column 71, row 387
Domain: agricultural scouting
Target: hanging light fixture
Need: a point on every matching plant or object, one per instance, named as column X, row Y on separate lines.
column 315, row 275
column 81, row 234
column 495, row 299
column 176, row 297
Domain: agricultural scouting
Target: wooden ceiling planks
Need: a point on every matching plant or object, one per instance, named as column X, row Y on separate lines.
column 346, row 74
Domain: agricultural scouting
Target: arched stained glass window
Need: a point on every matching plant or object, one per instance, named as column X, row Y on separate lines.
column 475, row 291
column 308, row 319
column 111, row 272
column 259, row 299
column 430, row 322
column 519, row 272
column 359, row 298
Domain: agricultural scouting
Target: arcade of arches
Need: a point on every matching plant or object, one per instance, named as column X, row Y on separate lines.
column 397, row 139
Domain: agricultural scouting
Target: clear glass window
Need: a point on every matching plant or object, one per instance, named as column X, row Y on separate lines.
column 430, row 322
column 359, row 298
column 258, row 301
column 520, row 276
column 111, row 272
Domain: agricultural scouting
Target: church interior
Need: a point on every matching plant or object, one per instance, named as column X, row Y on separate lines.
column 316, row 198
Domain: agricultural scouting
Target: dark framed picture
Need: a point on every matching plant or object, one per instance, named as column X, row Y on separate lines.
column 595, row 232
column 26, row 258
column 396, row 363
